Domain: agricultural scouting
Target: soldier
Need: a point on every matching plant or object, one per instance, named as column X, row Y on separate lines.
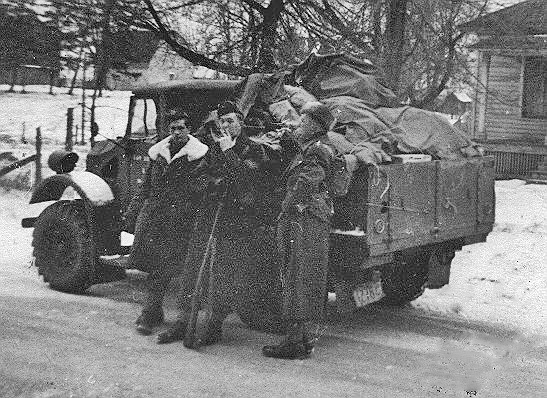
column 247, row 172
column 303, row 234
column 173, row 187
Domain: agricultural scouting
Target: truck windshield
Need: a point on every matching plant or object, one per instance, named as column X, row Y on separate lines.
column 143, row 123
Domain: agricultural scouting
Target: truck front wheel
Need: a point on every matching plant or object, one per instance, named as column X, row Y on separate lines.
column 406, row 280
column 63, row 248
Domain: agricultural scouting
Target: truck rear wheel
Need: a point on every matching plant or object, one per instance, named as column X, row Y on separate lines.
column 405, row 281
column 63, row 247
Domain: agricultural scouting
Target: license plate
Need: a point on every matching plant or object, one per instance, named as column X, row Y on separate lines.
column 367, row 293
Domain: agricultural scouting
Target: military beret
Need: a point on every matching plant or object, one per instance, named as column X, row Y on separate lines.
column 318, row 112
column 228, row 107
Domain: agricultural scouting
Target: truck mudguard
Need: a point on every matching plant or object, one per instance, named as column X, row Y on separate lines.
column 91, row 188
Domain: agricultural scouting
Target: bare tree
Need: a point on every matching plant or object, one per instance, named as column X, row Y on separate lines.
column 416, row 41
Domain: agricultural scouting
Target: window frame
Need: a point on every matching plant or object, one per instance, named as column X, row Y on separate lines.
column 145, row 111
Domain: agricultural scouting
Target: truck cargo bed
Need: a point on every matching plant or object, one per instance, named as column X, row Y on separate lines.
column 396, row 207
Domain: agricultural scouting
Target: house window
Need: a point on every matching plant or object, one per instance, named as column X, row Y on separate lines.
column 534, row 93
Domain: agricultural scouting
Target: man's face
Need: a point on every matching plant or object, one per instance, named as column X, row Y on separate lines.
column 230, row 124
column 179, row 129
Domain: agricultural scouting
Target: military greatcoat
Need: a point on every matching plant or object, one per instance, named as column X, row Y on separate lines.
column 250, row 209
column 303, row 233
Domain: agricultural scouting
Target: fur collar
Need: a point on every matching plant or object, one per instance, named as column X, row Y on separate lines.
column 194, row 150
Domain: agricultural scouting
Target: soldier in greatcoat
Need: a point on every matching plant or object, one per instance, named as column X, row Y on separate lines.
column 303, row 234
column 247, row 173
column 174, row 185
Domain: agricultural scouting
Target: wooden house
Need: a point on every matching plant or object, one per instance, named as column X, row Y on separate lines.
column 509, row 115
column 131, row 54
column 140, row 58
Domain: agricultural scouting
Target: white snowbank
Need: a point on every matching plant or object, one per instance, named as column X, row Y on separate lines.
column 504, row 279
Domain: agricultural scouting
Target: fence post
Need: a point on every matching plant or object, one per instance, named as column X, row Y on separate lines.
column 69, row 125
column 24, row 82
column 51, row 80
column 23, row 137
column 14, row 72
column 38, row 175
column 82, row 142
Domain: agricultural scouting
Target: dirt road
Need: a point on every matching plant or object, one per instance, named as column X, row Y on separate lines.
column 59, row 345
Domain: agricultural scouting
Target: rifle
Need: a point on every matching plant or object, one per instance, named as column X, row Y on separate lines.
column 209, row 254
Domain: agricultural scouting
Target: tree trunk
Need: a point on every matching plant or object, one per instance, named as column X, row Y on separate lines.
column 394, row 43
column 73, row 81
column 377, row 42
column 104, row 49
column 271, row 15
column 92, row 121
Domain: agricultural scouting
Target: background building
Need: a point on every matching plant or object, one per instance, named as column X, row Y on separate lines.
column 510, row 105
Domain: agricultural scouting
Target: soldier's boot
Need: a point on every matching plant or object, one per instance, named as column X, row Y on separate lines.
column 213, row 332
column 156, row 285
column 309, row 337
column 150, row 317
column 175, row 332
column 293, row 346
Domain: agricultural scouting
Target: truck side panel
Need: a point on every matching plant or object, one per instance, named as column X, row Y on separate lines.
column 457, row 196
column 403, row 197
column 417, row 204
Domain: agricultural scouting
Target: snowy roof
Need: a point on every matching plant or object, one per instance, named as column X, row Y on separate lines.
column 202, row 72
column 525, row 18
column 463, row 97
column 536, row 42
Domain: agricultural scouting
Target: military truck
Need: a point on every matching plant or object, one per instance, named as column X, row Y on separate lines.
column 394, row 234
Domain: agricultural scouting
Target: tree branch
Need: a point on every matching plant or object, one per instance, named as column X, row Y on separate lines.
column 190, row 3
column 190, row 55
column 434, row 91
column 255, row 6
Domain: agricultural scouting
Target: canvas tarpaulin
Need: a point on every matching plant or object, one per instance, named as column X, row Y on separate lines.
column 400, row 130
column 372, row 122
column 333, row 75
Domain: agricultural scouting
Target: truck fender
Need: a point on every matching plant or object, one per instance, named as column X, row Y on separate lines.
column 92, row 189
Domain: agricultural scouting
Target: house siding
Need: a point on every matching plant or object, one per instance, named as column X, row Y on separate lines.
column 504, row 119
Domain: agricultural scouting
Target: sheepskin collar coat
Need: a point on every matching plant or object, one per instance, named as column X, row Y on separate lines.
column 193, row 150
column 170, row 196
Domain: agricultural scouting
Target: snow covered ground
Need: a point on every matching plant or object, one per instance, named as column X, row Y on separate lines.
column 37, row 108
column 503, row 280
